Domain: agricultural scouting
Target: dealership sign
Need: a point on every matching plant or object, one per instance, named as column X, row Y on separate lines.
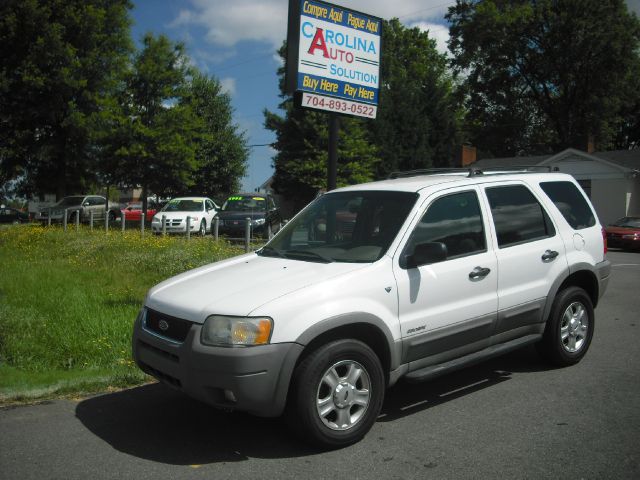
column 334, row 57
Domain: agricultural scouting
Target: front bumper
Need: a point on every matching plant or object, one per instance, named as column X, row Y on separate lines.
column 176, row 227
column 258, row 377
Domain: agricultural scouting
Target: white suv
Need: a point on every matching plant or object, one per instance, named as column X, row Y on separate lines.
column 407, row 278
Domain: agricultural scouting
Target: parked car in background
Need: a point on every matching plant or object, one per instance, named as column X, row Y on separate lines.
column 260, row 208
column 12, row 215
column 624, row 233
column 133, row 212
column 85, row 204
column 201, row 211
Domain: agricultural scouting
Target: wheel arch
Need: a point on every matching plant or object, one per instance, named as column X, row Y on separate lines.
column 364, row 327
column 584, row 278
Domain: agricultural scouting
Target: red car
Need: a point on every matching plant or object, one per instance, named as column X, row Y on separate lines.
column 133, row 211
column 624, row 233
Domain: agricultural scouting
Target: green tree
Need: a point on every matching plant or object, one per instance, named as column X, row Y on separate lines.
column 153, row 140
column 419, row 117
column 543, row 75
column 302, row 145
column 61, row 61
column 221, row 150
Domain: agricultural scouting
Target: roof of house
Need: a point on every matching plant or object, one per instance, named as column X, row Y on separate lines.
column 629, row 159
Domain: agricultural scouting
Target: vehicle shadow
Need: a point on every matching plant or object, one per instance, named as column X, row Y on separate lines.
column 408, row 398
column 160, row 424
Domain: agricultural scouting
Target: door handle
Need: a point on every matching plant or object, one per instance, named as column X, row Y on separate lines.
column 549, row 255
column 479, row 272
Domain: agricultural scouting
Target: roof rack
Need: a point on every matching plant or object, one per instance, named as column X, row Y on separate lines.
column 473, row 172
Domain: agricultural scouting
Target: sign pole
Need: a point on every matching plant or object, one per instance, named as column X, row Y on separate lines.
column 332, row 166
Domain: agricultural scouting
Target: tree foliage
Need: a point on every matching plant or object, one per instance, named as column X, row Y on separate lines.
column 221, row 150
column 80, row 108
column 419, row 117
column 153, row 143
column 61, row 60
column 544, row 75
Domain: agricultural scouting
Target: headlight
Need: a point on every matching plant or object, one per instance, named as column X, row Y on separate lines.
column 258, row 221
column 230, row 331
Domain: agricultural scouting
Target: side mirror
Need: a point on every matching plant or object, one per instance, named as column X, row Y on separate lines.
column 425, row 254
column 85, row 204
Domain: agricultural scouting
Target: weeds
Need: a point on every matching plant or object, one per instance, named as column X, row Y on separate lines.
column 68, row 301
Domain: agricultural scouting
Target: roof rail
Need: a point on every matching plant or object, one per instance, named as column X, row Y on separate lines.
column 427, row 171
column 473, row 172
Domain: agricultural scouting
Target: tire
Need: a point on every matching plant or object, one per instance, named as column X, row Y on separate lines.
column 112, row 218
column 203, row 228
column 569, row 329
column 336, row 394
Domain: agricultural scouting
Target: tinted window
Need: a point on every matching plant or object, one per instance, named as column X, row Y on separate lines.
column 454, row 220
column 517, row 215
column 571, row 203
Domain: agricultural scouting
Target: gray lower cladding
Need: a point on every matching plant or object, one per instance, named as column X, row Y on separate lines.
column 465, row 338
column 258, row 376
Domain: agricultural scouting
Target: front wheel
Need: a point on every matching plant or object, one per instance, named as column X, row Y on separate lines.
column 336, row 394
column 203, row 228
column 569, row 328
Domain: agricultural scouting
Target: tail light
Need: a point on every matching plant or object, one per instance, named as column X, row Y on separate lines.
column 604, row 240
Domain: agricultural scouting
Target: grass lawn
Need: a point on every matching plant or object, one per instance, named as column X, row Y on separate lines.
column 68, row 301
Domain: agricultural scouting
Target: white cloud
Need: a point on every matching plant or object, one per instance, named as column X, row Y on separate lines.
column 228, row 23
column 440, row 33
column 228, row 86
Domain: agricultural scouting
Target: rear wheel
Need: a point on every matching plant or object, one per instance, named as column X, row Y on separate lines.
column 336, row 394
column 569, row 328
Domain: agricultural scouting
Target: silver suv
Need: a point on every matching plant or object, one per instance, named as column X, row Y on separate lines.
column 407, row 278
column 83, row 205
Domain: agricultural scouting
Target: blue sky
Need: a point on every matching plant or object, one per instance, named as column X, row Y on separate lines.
column 236, row 41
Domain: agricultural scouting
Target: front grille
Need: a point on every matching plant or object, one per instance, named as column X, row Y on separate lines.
column 173, row 328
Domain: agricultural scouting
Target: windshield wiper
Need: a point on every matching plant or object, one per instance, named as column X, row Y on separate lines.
column 270, row 252
column 307, row 253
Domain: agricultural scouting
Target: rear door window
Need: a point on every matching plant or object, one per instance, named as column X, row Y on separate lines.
column 571, row 203
column 518, row 216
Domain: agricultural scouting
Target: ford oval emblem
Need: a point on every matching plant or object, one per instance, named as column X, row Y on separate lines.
column 163, row 325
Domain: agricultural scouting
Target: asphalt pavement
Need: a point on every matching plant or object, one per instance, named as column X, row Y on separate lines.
column 511, row 417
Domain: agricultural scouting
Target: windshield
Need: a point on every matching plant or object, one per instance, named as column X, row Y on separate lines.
column 353, row 226
column 183, row 205
column 628, row 222
column 70, row 201
column 244, row 203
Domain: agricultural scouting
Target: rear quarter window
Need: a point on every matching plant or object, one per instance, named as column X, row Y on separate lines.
column 571, row 203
